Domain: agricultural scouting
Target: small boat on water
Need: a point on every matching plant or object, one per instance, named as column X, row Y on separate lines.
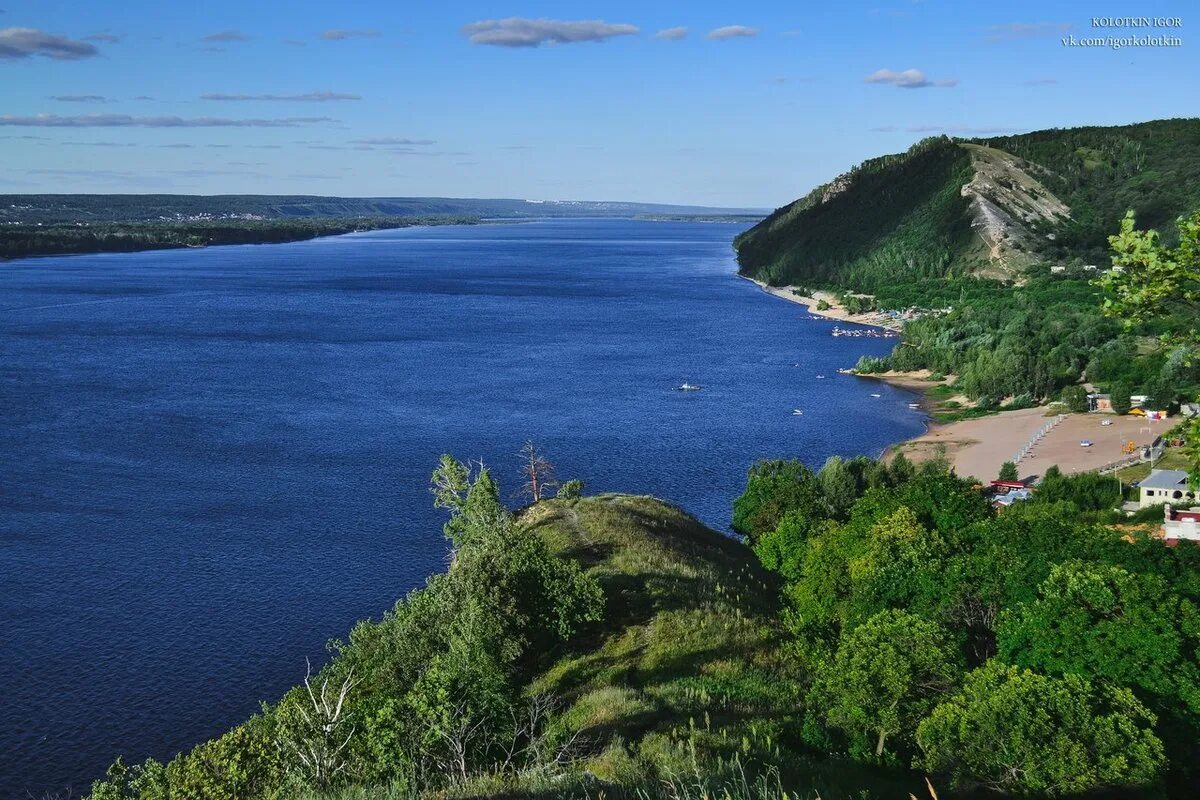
column 820, row 376
column 915, row 406
column 797, row 412
column 873, row 394
column 690, row 387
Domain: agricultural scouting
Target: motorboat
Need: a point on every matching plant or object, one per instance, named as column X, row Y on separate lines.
column 690, row 387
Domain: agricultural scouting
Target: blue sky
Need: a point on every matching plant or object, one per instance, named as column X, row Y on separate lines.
column 547, row 100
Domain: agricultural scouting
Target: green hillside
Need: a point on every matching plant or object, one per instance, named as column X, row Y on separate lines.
column 989, row 207
column 877, row 623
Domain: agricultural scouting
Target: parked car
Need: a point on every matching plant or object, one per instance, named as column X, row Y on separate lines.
column 1086, row 443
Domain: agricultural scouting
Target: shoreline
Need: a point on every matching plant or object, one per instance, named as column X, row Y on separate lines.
column 871, row 319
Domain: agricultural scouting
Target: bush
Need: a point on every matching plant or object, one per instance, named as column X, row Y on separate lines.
column 872, row 365
column 570, row 490
column 1075, row 399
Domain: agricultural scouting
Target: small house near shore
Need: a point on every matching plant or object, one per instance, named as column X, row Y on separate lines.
column 1166, row 486
column 1005, row 493
column 1181, row 524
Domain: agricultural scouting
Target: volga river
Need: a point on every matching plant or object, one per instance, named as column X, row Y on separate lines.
column 213, row 461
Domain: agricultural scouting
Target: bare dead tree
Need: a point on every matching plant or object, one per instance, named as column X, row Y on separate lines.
column 532, row 746
column 320, row 742
column 457, row 733
column 537, row 471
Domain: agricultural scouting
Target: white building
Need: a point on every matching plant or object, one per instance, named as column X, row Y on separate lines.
column 1166, row 486
column 1181, row 524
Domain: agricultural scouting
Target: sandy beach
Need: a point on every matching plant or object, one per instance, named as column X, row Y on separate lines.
column 979, row 446
column 834, row 312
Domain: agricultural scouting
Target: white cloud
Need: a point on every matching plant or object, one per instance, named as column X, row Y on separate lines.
column 127, row 121
column 731, row 32
column 965, row 130
column 522, row 32
column 1026, row 30
column 227, row 36
column 672, row 34
column 26, row 42
column 309, row 97
column 341, row 34
column 392, row 141
column 908, row 79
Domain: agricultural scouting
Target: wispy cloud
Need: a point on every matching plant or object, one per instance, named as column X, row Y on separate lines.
column 25, row 42
column 309, row 97
column 104, row 38
column 672, row 34
column 227, row 36
column 127, row 121
column 340, row 34
column 392, row 141
column 80, row 98
column 522, row 32
column 908, row 79
column 1026, row 30
column 965, row 130
column 731, row 32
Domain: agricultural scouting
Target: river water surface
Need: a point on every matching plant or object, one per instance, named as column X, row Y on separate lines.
column 213, row 461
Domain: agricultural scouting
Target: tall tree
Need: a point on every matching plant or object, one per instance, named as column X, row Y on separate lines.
column 885, row 676
column 1016, row 731
column 1150, row 280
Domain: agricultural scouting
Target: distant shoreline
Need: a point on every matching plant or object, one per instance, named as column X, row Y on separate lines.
column 74, row 239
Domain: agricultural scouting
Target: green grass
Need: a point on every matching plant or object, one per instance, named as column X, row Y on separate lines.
column 1173, row 458
column 686, row 676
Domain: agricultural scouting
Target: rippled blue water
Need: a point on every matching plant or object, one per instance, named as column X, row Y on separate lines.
column 213, row 461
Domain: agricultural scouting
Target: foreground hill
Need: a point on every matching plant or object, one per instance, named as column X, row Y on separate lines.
column 882, row 620
column 985, row 207
column 681, row 674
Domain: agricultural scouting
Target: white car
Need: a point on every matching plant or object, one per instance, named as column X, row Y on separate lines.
column 1106, row 422
column 1086, row 442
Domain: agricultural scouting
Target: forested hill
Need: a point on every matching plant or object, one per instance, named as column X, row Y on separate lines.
column 986, row 207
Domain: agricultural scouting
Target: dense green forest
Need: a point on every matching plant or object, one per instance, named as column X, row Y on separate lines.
column 882, row 624
column 899, row 215
column 21, row 241
column 1102, row 172
column 904, row 217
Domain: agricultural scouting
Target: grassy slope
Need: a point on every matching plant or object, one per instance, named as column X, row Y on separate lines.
column 687, row 659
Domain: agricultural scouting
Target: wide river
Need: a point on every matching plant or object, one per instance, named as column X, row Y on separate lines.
column 213, row 461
